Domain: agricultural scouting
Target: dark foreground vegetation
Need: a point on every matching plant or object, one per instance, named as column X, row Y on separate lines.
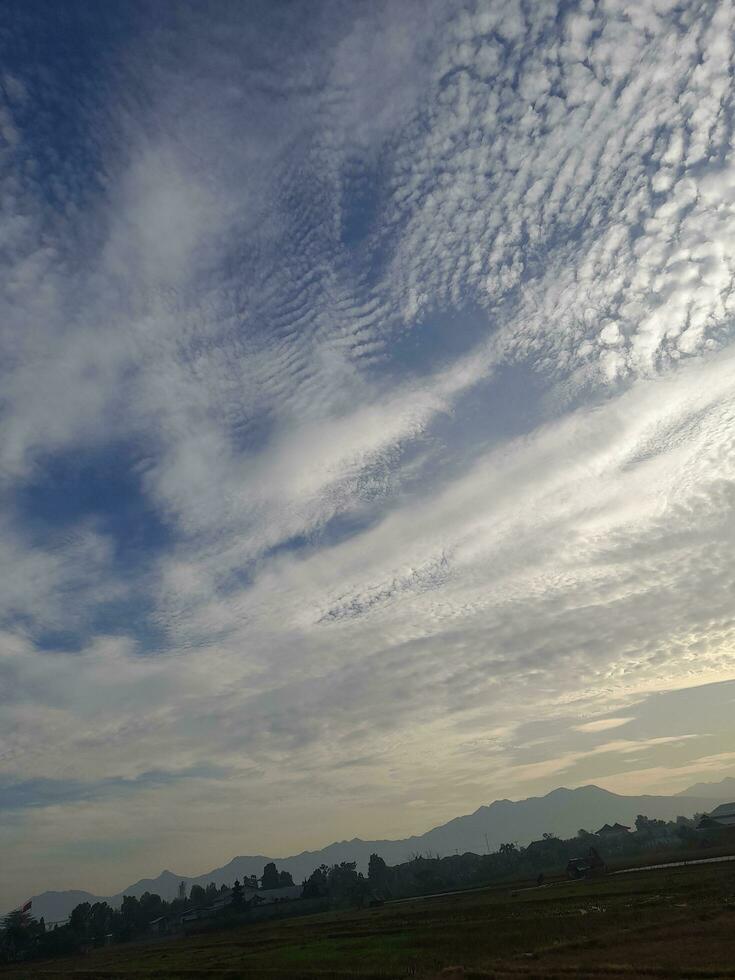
column 667, row 923
column 246, row 905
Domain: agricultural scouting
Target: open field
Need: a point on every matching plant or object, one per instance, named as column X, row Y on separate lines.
column 678, row 922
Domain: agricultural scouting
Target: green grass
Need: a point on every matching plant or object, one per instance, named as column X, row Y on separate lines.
column 671, row 923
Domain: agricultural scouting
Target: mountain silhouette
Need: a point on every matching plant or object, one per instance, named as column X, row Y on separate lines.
column 723, row 790
column 562, row 812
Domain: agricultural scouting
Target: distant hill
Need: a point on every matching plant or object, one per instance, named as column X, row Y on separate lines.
column 56, row 906
column 723, row 790
column 562, row 812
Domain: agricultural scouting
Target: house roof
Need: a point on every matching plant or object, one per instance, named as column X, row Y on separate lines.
column 200, row 912
column 616, row 828
column 276, row 894
column 721, row 818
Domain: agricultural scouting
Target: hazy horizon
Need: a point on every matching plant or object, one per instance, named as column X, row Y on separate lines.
column 367, row 419
column 204, row 872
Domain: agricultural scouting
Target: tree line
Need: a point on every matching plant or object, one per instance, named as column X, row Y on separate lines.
column 338, row 885
column 97, row 923
column 424, row 874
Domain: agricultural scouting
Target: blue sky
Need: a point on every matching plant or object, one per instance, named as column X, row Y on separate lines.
column 367, row 406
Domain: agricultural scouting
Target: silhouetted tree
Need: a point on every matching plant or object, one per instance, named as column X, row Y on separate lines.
column 377, row 870
column 100, row 921
column 315, row 885
column 284, row 879
column 133, row 917
column 237, row 894
column 151, row 906
column 346, row 885
column 16, row 935
column 341, row 883
column 197, row 895
column 270, row 878
column 80, row 916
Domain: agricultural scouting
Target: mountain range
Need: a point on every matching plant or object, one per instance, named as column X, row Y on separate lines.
column 724, row 791
column 562, row 812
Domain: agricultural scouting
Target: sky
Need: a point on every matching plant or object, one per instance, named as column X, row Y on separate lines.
column 367, row 402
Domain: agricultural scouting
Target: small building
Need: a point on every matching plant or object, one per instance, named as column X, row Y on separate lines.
column 193, row 915
column 223, row 900
column 267, row 896
column 164, row 924
column 252, row 898
column 586, row 867
column 660, row 837
column 173, row 922
column 721, row 818
column 612, row 830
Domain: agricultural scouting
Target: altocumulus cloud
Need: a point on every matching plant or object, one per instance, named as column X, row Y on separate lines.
column 367, row 395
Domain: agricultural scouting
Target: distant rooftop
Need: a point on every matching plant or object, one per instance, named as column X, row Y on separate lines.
column 616, row 828
column 723, row 810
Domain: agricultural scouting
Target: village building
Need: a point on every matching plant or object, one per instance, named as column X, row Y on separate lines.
column 586, row 867
column 165, row 924
column 267, row 896
column 721, row 818
column 612, row 830
column 252, row 898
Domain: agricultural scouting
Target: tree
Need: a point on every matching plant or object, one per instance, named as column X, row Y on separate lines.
column 80, row 917
column 151, row 906
column 197, row 895
column 237, row 894
column 100, row 918
column 270, row 878
column 377, row 869
column 646, row 825
column 378, row 874
column 685, row 832
column 315, row 885
column 211, row 893
column 16, row 932
column 285, row 880
column 345, row 885
column 132, row 917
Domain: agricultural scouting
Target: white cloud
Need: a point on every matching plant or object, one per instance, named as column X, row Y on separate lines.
column 602, row 724
column 372, row 554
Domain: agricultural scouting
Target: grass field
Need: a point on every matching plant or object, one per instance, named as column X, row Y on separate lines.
column 673, row 923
